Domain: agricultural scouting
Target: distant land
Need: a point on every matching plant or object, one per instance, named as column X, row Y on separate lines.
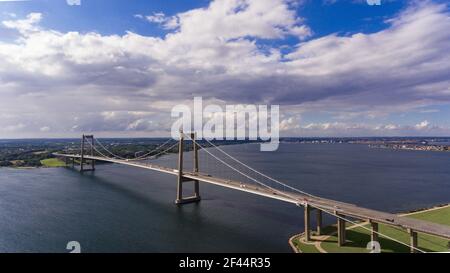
column 30, row 153
column 26, row 153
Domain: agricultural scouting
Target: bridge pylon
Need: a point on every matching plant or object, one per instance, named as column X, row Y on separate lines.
column 87, row 139
column 181, row 179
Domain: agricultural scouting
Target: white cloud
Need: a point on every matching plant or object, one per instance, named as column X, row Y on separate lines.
column 135, row 125
column 112, row 82
column 290, row 123
column 390, row 127
column 25, row 25
column 367, row 129
column 232, row 19
column 422, row 125
column 73, row 2
column 158, row 17
column 167, row 22
column 44, row 129
column 14, row 128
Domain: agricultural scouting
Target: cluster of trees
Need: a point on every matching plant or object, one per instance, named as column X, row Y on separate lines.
column 23, row 158
column 27, row 153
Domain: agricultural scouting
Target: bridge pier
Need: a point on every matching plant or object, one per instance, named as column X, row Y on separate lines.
column 319, row 222
column 181, row 179
column 307, row 218
column 340, row 230
column 307, row 210
column 413, row 241
column 374, row 234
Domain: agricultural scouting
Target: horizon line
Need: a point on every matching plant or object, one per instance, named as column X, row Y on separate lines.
column 165, row 137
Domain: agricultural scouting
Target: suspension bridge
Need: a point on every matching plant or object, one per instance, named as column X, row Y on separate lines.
column 247, row 179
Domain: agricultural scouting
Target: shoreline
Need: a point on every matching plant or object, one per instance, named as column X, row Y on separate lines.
column 166, row 154
column 291, row 242
column 411, row 212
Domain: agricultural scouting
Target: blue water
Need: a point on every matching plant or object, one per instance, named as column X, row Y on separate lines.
column 125, row 209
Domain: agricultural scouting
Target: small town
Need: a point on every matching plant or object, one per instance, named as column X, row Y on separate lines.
column 413, row 147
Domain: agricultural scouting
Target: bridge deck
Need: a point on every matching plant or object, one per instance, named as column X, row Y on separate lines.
column 349, row 210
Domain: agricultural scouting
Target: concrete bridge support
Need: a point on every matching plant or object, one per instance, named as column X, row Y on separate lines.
column 196, row 166
column 413, row 241
column 181, row 179
column 69, row 161
column 374, row 234
column 307, row 217
column 341, row 230
column 319, row 222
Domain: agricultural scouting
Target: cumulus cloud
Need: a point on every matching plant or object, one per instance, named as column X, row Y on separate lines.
column 44, row 129
column 167, row 22
column 73, row 2
column 423, row 125
column 26, row 25
column 116, row 83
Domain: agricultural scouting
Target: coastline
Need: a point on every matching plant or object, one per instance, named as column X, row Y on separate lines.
column 295, row 249
column 167, row 153
column 291, row 242
column 411, row 212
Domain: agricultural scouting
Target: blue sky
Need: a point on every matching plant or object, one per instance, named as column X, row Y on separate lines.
column 338, row 67
column 117, row 16
column 103, row 16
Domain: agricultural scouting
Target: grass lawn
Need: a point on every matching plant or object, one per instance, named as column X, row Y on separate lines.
column 304, row 248
column 358, row 238
column 53, row 163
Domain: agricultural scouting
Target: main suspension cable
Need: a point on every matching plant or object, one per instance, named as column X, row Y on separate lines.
column 258, row 172
column 233, row 168
column 288, row 195
column 108, row 151
column 142, row 157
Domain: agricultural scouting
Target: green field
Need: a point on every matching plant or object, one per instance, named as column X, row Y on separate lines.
column 52, row 163
column 358, row 238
